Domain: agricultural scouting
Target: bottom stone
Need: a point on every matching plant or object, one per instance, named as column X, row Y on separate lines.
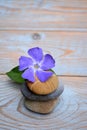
column 43, row 107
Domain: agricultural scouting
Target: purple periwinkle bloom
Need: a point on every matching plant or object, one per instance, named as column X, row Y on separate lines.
column 36, row 64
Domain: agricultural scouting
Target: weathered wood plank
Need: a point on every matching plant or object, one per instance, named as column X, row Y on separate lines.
column 70, row 113
column 43, row 15
column 68, row 48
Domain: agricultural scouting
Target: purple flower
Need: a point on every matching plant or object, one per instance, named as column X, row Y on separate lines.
column 36, row 64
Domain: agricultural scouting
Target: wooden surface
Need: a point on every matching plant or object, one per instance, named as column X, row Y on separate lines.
column 43, row 15
column 70, row 113
column 68, row 48
column 60, row 28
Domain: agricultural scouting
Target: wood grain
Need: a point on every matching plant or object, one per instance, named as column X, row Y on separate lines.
column 43, row 15
column 70, row 113
column 68, row 48
column 60, row 28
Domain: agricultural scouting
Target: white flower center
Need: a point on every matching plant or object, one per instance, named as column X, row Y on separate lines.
column 36, row 66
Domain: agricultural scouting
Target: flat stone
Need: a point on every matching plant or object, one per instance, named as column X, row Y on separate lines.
column 41, row 106
column 32, row 96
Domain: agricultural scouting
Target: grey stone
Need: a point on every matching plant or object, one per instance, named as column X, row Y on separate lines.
column 41, row 106
column 31, row 96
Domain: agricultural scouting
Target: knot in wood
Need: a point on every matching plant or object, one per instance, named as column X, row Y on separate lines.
column 36, row 36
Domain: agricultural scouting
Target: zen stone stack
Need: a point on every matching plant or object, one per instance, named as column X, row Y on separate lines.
column 41, row 103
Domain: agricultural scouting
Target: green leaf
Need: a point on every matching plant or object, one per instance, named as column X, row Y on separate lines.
column 15, row 75
column 52, row 71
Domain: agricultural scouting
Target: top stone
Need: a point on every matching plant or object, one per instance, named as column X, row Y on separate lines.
column 43, row 88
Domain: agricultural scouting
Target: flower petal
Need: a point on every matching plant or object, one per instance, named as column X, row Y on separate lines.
column 29, row 74
column 24, row 62
column 48, row 62
column 43, row 75
column 36, row 53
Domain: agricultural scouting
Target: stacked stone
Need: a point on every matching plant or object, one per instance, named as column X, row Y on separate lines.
column 42, row 97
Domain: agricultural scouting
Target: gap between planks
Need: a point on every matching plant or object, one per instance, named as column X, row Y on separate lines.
column 72, row 76
column 50, row 29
